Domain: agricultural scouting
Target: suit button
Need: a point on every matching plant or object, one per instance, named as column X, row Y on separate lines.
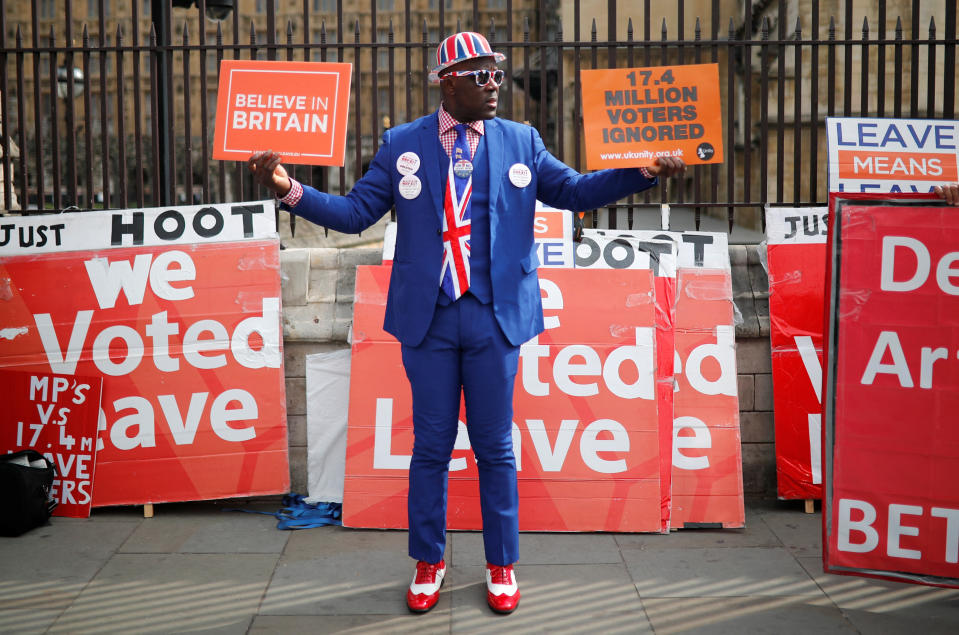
column 439, row 232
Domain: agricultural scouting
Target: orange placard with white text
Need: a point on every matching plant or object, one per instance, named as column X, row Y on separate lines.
column 298, row 109
column 632, row 116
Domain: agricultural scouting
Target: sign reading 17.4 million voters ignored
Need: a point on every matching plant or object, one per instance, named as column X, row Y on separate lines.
column 632, row 116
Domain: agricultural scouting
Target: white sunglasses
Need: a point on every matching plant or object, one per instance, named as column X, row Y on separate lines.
column 481, row 77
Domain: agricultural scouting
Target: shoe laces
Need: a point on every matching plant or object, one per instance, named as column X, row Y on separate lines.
column 426, row 572
column 501, row 575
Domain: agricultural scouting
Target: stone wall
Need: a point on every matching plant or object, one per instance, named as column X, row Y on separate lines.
column 318, row 306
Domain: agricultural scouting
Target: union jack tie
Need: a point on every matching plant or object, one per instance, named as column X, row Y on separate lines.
column 455, row 276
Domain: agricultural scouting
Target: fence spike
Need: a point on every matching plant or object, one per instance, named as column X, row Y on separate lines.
column 697, row 30
column 664, row 31
column 932, row 27
column 458, row 27
column 526, row 28
column 559, row 30
column 798, row 29
column 53, row 37
column 219, row 35
column 252, row 33
column 899, row 28
column 323, row 31
column 732, row 29
column 426, row 34
column 492, row 29
column 119, row 35
column 289, row 31
column 186, row 33
column 153, row 35
column 832, row 28
column 389, row 34
column 764, row 29
column 592, row 31
column 865, row 28
column 629, row 30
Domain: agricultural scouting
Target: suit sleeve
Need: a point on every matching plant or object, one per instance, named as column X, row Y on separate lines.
column 370, row 198
column 562, row 187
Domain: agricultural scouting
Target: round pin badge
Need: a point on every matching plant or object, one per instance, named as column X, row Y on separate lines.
column 462, row 169
column 408, row 163
column 410, row 186
column 520, row 175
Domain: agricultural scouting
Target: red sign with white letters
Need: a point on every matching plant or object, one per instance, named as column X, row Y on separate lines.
column 586, row 431
column 178, row 311
column 796, row 254
column 892, row 391
column 55, row 415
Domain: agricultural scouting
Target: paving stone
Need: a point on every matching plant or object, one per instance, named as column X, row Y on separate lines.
column 544, row 548
column 754, row 534
column 753, row 614
column 736, row 571
column 554, row 599
column 144, row 592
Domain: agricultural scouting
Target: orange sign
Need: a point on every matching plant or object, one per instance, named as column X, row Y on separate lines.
column 912, row 166
column 632, row 116
column 298, row 109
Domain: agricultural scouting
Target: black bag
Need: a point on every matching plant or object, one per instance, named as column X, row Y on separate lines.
column 25, row 500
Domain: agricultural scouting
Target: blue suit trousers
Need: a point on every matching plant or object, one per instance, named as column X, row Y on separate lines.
column 464, row 349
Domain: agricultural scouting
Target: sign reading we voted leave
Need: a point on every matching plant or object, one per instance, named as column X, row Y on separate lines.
column 177, row 311
column 298, row 109
column 632, row 116
column 891, row 446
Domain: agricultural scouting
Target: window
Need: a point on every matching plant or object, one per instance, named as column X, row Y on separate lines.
column 46, row 9
column 384, row 5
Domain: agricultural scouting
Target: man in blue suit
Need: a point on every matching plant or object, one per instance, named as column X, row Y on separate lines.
column 464, row 293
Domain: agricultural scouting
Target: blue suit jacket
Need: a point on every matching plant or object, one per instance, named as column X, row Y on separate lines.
column 414, row 283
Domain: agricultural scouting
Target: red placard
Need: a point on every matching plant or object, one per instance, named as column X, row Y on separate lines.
column 892, row 390
column 585, row 412
column 702, row 455
column 796, row 253
column 55, row 415
column 298, row 109
column 185, row 332
column 707, row 456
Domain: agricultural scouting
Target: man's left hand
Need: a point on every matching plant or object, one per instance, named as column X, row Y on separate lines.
column 949, row 191
column 667, row 167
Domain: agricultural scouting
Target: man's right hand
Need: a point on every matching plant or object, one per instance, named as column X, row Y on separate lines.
column 267, row 170
column 949, row 191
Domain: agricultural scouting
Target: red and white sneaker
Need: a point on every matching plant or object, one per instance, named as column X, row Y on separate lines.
column 502, row 593
column 424, row 591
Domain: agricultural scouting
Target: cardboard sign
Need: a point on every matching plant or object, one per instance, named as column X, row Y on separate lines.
column 585, row 413
column 796, row 254
column 55, row 415
column 186, row 336
column 891, row 446
column 694, row 296
column 298, row 109
column 632, row 116
column 873, row 155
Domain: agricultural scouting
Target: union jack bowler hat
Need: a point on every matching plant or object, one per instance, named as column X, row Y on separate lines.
column 460, row 47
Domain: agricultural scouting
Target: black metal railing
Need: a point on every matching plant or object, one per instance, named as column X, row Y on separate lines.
column 113, row 107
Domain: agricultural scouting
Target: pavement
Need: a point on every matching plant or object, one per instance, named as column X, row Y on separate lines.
column 195, row 567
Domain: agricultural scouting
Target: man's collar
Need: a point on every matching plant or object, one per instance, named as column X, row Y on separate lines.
column 447, row 121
